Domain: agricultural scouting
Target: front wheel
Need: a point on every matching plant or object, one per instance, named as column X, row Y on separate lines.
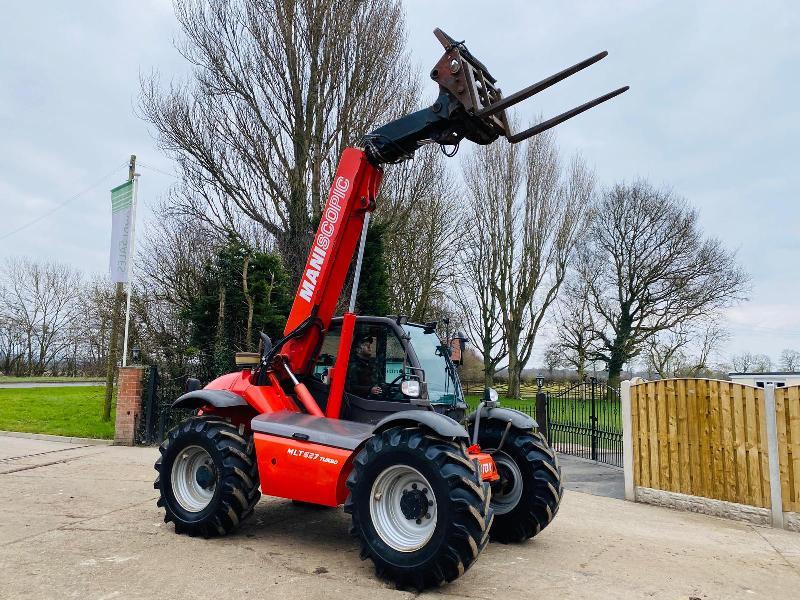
column 207, row 476
column 419, row 507
column 527, row 496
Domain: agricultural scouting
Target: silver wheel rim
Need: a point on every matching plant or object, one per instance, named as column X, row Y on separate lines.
column 394, row 526
column 188, row 492
column 505, row 502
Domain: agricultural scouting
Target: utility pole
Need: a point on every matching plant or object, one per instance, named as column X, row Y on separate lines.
column 119, row 295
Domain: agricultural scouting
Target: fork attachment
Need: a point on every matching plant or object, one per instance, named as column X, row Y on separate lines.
column 470, row 105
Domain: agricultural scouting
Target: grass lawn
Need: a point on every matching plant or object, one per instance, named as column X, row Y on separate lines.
column 46, row 379
column 569, row 418
column 522, row 404
column 69, row 411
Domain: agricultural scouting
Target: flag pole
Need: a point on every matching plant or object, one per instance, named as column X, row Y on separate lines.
column 113, row 342
column 130, row 271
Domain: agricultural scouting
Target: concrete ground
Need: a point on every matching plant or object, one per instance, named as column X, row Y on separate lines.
column 81, row 522
column 591, row 477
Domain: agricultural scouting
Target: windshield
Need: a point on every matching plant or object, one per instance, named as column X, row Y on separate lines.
column 440, row 375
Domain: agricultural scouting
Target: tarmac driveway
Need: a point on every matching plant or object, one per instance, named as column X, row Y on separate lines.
column 81, row 522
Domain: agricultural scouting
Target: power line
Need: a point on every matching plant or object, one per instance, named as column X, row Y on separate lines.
column 146, row 166
column 63, row 204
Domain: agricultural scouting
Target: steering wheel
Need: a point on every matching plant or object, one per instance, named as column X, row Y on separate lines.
column 395, row 384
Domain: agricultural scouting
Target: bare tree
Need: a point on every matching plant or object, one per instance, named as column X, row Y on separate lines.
column 278, row 89
column 710, row 337
column 11, row 338
column 686, row 350
column 41, row 305
column 575, row 333
column 744, row 362
column 553, row 357
column 790, row 360
column 91, row 334
column 471, row 370
column 478, row 264
column 535, row 211
column 422, row 234
column 762, row 363
column 173, row 255
column 650, row 269
column 665, row 352
column 171, row 265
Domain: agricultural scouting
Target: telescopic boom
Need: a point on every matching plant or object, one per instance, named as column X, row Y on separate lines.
column 469, row 106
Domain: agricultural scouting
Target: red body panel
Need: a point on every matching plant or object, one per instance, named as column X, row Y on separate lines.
column 301, row 470
column 226, row 382
column 486, row 465
column 339, row 374
column 263, row 398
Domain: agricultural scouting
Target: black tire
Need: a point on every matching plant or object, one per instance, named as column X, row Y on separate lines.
column 234, row 475
column 463, row 514
column 541, row 490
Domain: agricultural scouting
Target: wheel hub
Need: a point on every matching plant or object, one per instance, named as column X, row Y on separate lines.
column 204, row 477
column 506, row 482
column 414, row 503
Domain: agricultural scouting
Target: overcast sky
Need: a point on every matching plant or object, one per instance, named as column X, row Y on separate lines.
column 712, row 113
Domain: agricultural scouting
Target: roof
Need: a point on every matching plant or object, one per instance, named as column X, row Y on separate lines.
column 782, row 373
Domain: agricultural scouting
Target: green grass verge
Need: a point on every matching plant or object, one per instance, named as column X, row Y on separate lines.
column 68, row 411
column 44, row 379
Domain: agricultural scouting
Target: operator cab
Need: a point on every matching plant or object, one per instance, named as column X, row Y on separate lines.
column 393, row 366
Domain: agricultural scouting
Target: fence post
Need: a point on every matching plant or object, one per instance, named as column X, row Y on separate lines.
column 775, row 496
column 541, row 415
column 593, row 419
column 627, row 439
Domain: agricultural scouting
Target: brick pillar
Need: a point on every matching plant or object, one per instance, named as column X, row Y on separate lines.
column 129, row 404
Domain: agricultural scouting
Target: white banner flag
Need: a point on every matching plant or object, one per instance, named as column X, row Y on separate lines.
column 121, row 226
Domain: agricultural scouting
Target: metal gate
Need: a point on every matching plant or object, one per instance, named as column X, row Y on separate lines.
column 157, row 416
column 584, row 420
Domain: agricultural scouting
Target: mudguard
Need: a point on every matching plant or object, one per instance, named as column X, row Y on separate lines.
column 441, row 424
column 518, row 419
column 216, row 398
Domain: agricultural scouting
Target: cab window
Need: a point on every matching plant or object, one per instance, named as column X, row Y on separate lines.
column 377, row 360
column 327, row 354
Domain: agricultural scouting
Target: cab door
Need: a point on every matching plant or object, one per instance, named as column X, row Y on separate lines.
column 377, row 365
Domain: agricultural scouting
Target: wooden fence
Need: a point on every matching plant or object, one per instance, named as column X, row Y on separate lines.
column 709, row 438
column 787, row 410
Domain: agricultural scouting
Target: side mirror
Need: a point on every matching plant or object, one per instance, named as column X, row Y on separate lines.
column 411, row 388
column 457, row 345
column 266, row 344
column 490, row 397
column 191, row 385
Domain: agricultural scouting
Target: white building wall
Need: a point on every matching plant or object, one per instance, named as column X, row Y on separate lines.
column 761, row 379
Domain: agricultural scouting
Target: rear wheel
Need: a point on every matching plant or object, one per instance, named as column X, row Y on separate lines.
column 207, row 476
column 419, row 507
column 527, row 496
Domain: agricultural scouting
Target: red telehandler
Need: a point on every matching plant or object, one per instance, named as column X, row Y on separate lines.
column 359, row 410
